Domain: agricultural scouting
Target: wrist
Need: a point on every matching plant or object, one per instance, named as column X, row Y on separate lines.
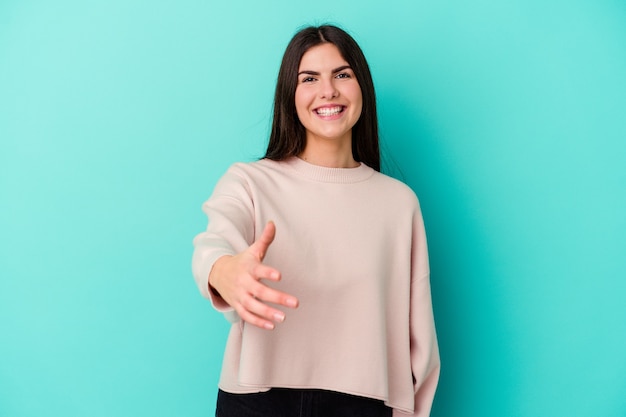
column 215, row 273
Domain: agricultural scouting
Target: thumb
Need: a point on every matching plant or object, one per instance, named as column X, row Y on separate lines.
column 259, row 247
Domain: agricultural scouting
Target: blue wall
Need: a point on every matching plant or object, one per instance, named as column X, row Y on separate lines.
column 117, row 117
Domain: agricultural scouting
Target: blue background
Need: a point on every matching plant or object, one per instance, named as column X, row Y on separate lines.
column 117, row 118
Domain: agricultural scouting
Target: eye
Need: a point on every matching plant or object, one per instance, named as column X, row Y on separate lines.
column 344, row 75
column 307, row 80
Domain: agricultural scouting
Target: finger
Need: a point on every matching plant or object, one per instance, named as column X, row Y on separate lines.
column 266, row 272
column 270, row 295
column 254, row 320
column 263, row 311
column 259, row 248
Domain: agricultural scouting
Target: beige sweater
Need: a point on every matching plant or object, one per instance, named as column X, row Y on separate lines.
column 350, row 244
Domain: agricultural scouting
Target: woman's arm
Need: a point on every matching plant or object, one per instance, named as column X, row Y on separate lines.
column 227, row 261
column 425, row 361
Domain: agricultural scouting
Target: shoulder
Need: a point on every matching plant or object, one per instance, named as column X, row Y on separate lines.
column 394, row 189
column 255, row 168
column 249, row 175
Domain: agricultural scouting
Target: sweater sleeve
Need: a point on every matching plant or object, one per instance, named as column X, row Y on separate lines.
column 425, row 361
column 230, row 230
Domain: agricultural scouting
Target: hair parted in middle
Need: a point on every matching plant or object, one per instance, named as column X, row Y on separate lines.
column 288, row 135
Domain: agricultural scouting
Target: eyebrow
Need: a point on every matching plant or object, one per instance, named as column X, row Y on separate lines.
column 336, row 70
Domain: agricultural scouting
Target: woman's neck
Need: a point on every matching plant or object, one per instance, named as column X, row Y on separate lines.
column 330, row 154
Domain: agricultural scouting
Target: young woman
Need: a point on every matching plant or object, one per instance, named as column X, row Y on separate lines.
column 318, row 259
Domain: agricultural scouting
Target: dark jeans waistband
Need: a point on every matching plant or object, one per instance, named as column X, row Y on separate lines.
column 287, row 402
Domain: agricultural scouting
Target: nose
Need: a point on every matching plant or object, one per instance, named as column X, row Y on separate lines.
column 328, row 89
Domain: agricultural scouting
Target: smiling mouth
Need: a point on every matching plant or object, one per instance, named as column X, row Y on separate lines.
column 329, row 111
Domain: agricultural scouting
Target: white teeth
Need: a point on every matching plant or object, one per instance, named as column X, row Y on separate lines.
column 329, row 111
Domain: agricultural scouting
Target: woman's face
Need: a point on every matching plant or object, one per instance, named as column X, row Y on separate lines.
column 328, row 95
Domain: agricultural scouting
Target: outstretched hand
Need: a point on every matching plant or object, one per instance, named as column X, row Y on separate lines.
column 238, row 281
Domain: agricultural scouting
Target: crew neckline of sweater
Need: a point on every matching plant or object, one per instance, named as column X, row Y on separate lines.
column 326, row 174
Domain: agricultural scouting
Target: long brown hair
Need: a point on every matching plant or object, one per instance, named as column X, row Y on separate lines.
column 288, row 136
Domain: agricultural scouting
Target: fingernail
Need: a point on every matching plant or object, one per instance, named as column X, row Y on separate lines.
column 274, row 275
column 291, row 302
column 279, row 317
column 269, row 326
